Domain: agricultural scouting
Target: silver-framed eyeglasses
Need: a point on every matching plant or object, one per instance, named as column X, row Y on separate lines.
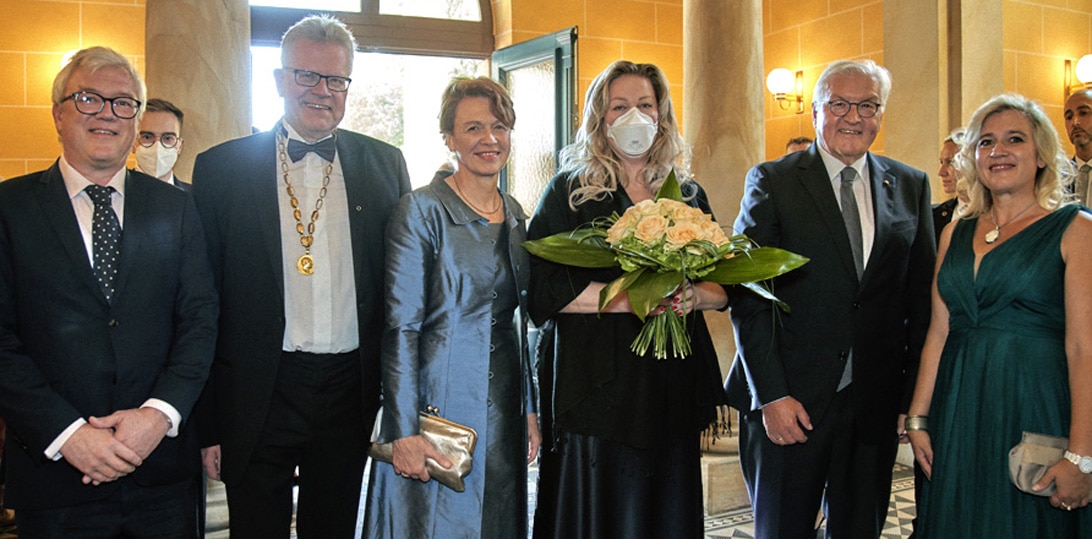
column 167, row 140
column 90, row 103
column 311, row 79
column 865, row 109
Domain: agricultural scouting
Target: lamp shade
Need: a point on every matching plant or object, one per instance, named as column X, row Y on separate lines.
column 780, row 81
column 1083, row 70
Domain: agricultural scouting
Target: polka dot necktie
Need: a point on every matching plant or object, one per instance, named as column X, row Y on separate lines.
column 105, row 238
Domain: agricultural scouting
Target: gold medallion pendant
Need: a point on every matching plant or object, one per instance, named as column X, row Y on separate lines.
column 305, row 264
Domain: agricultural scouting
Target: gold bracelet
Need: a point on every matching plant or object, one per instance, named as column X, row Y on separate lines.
column 917, row 422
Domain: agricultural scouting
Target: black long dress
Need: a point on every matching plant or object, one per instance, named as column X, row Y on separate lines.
column 621, row 448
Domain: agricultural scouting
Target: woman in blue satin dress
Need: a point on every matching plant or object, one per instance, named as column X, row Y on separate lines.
column 456, row 335
column 1009, row 347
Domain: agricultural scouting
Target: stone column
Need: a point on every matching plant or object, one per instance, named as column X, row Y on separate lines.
column 915, row 117
column 723, row 83
column 197, row 56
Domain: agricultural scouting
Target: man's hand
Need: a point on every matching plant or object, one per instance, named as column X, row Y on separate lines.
column 785, row 421
column 210, row 457
column 101, row 457
column 141, row 429
column 534, row 438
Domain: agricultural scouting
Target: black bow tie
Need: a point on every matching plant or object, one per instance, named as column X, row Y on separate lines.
column 324, row 148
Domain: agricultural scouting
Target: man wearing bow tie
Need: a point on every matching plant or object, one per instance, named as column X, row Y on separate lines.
column 295, row 219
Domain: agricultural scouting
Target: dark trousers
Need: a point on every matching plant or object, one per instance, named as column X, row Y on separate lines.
column 315, row 422
column 131, row 511
column 834, row 470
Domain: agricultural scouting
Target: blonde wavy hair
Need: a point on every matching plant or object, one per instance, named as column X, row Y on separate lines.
column 591, row 161
column 1051, row 181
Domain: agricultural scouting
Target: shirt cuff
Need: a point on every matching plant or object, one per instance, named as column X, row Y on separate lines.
column 53, row 452
column 173, row 417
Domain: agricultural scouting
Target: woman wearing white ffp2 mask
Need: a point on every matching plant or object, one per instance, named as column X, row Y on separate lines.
column 633, row 132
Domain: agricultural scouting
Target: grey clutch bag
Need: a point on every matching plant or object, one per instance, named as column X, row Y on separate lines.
column 451, row 439
column 1030, row 459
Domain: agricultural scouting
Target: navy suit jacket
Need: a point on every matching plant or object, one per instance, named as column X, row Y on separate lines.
column 789, row 203
column 66, row 352
column 235, row 186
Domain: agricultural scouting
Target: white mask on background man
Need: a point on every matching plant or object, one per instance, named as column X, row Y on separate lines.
column 633, row 132
column 156, row 160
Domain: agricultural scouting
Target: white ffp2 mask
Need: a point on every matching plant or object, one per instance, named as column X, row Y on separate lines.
column 633, row 132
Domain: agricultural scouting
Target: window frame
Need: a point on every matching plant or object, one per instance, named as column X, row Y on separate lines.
column 376, row 32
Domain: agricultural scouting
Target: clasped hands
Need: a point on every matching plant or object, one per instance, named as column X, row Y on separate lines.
column 111, row 447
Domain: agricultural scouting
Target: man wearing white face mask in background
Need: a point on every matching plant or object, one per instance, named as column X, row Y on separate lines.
column 160, row 142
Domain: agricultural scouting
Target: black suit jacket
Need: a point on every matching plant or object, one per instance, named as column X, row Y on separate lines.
column 236, row 186
column 942, row 215
column 789, row 203
column 67, row 353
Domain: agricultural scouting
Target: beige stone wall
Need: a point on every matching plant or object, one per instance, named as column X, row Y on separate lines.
column 807, row 35
column 643, row 31
column 1039, row 35
column 35, row 37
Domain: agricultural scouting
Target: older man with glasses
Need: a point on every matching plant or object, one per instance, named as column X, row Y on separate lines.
column 820, row 388
column 295, row 220
column 107, row 325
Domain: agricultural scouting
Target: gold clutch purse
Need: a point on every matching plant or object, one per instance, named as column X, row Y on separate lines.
column 451, row 439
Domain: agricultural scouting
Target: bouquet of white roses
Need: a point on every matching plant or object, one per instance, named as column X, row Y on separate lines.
column 661, row 246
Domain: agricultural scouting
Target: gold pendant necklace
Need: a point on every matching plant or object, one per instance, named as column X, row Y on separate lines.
column 471, row 204
column 305, row 264
column 992, row 235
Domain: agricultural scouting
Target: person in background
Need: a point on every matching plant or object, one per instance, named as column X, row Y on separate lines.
column 1078, row 122
column 295, row 219
column 947, row 211
column 107, row 325
column 455, row 335
column 1008, row 349
column 622, row 431
column 820, row 389
column 162, row 124
column 797, row 144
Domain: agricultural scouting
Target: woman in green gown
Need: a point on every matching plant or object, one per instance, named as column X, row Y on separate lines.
column 1009, row 347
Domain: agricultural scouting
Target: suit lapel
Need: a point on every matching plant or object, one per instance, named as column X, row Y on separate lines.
column 137, row 213
column 883, row 203
column 354, row 168
column 817, row 184
column 264, row 196
column 57, row 207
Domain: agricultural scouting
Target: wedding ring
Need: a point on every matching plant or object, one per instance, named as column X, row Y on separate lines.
column 781, row 438
column 1066, row 506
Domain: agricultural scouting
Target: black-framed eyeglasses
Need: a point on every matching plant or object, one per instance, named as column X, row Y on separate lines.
column 167, row 140
column 865, row 109
column 91, row 104
column 311, row 79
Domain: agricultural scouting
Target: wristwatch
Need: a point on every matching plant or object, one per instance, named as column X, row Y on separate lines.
column 1084, row 464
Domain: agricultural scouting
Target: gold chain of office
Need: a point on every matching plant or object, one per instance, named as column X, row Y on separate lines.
column 305, row 264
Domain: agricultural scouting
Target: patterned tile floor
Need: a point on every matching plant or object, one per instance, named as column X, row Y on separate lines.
column 739, row 524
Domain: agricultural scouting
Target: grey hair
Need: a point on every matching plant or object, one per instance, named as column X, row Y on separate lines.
column 94, row 59
column 867, row 68
column 321, row 29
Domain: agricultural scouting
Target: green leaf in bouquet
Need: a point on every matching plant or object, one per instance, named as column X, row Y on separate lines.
column 758, row 264
column 670, row 188
column 650, row 288
column 618, row 286
column 583, row 248
column 764, row 292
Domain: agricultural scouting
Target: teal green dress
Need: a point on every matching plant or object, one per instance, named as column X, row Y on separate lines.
column 1003, row 371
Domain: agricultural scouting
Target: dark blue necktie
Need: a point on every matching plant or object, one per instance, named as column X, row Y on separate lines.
column 105, row 238
column 324, row 148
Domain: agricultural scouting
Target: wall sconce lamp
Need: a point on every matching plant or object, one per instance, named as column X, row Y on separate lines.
column 788, row 88
column 1082, row 72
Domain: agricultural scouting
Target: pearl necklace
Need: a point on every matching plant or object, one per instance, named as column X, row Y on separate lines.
column 993, row 235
